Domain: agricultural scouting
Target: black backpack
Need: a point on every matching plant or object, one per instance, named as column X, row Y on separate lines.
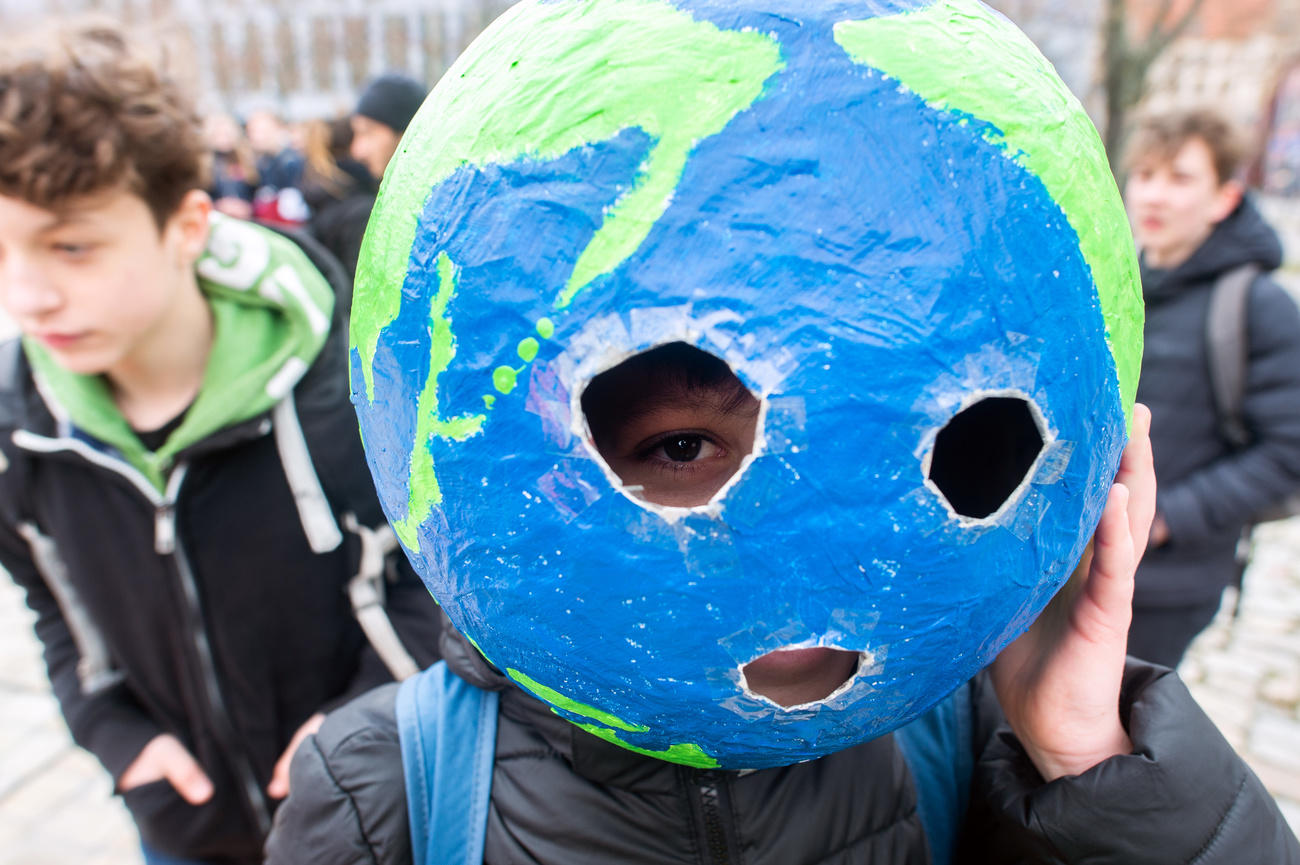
column 1227, row 343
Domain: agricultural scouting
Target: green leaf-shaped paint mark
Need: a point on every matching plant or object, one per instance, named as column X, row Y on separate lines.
column 555, row 698
column 547, row 78
column 933, row 51
column 687, row 754
column 423, row 483
column 608, row 725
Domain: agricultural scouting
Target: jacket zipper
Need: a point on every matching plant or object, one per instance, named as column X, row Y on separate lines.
column 715, row 836
column 167, row 544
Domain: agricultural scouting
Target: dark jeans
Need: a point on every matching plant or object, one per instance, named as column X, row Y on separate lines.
column 1162, row 634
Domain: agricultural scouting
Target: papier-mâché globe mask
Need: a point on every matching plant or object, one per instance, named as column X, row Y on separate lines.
column 895, row 226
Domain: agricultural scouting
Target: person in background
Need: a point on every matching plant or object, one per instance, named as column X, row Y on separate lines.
column 382, row 114
column 278, row 164
column 1193, row 226
column 277, row 200
column 330, row 174
column 183, row 494
column 234, row 170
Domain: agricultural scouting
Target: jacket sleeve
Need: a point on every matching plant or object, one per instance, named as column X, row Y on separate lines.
column 347, row 799
column 1183, row 796
column 107, row 721
column 1226, row 493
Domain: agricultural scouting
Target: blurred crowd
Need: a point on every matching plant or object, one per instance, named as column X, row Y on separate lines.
column 320, row 175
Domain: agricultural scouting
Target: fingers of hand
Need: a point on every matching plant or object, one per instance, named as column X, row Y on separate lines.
column 185, row 775
column 1105, row 609
column 143, row 770
column 1137, row 473
column 278, row 788
column 165, row 758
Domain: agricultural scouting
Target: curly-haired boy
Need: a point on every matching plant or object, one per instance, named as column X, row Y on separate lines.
column 183, row 493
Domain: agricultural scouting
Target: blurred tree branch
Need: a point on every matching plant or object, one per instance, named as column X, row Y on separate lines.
column 1126, row 64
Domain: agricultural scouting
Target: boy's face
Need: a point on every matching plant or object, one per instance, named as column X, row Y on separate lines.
column 1174, row 203
column 96, row 281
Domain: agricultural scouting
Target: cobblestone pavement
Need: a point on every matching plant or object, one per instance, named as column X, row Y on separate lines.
column 56, row 806
column 56, row 803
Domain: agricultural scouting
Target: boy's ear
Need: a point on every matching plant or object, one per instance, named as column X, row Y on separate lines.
column 189, row 224
column 1226, row 200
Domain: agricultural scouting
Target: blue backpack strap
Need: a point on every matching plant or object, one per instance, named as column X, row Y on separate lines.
column 448, row 732
column 937, row 747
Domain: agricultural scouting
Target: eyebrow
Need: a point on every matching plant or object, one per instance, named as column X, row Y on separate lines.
column 682, row 395
column 62, row 220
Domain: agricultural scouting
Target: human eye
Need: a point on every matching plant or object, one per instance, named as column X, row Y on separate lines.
column 72, row 249
column 680, row 448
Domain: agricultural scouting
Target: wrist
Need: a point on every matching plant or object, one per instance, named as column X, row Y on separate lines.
column 1053, row 764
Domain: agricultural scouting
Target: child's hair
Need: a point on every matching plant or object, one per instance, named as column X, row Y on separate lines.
column 674, row 368
column 83, row 110
column 1161, row 136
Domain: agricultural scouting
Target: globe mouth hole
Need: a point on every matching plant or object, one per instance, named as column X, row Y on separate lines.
column 795, row 676
column 674, row 424
column 984, row 456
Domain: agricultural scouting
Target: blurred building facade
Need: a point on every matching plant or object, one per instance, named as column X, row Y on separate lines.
column 310, row 59
column 1243, row 57
column 1239, row 56
column 299, row 59
column 1068, row 32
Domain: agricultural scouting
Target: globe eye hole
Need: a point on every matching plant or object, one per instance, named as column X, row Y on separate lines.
column 984, row 454
column 673, row 423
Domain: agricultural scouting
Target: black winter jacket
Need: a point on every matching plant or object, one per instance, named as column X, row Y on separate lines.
column 563, row 797
column 229, row 636
column 1208, row 490
column 341, row 225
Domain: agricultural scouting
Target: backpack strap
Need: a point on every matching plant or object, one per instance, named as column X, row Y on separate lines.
column 448, row 734
column 1227, row 347
column 367, row 592
column 937, row 748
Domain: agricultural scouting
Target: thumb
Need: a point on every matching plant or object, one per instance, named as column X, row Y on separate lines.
column 185, row 775
column 278, row 788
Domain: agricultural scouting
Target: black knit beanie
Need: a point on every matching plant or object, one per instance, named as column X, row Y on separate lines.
column 392, row 100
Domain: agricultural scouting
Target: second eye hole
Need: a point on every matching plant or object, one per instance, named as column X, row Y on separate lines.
column 982, row 456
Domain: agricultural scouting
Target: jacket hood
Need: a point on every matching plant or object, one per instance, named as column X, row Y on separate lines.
column 271, row 312
column 1243, row 238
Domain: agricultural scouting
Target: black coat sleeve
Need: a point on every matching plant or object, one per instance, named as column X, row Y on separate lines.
column 1183, row 796
column 1227, row 492
column 108, row 721
column 347, row 796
